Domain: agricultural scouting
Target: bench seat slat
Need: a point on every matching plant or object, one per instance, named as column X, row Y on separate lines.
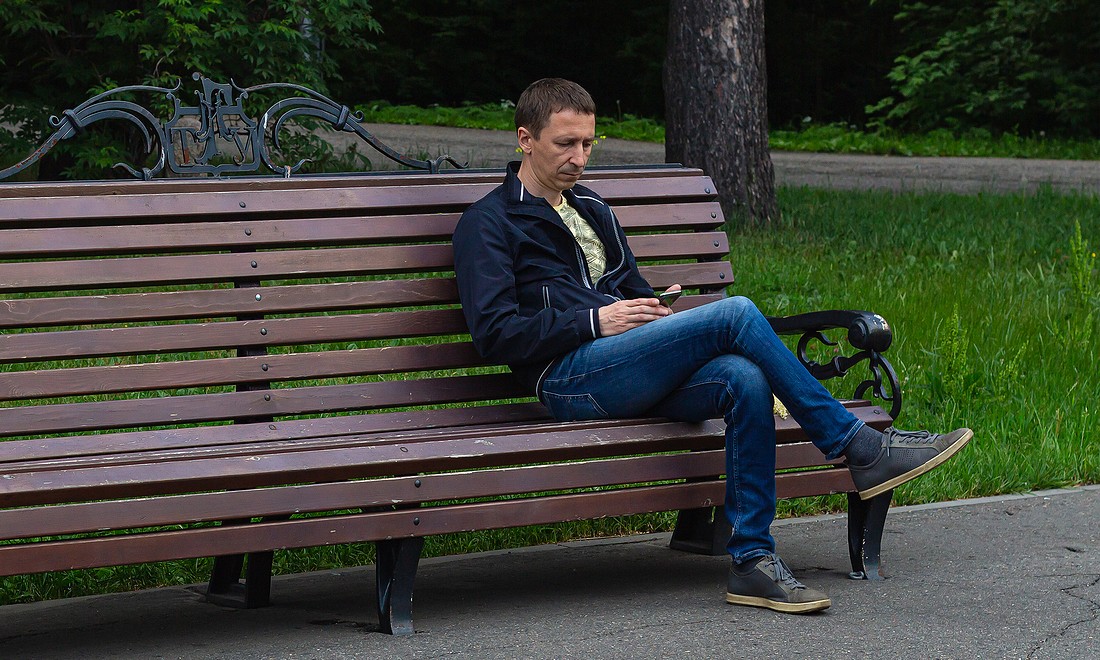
column 425, row 521
column 197, row 408
column 287, row 500
column 47, row 451
column 284, row 463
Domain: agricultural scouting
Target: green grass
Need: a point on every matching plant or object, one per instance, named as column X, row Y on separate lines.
column 994, row 311
column 827, row 138
column 994, row 301
column 500, row 117
column 838, row 138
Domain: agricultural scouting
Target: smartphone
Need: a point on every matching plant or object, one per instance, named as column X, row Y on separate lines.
column 669, row 297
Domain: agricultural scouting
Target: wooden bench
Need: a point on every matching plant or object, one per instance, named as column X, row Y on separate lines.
column 186, row 364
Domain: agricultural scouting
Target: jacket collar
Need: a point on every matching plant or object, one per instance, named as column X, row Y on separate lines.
column 515, row 193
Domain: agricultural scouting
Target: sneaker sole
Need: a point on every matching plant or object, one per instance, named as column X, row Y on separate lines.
column 947, row 453
column 778, row 605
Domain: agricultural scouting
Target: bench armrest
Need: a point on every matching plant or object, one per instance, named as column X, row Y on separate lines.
column 868, row 333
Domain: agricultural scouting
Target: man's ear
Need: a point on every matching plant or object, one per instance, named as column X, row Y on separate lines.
column 524, row 137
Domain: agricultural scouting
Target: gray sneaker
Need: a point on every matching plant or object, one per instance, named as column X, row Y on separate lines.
column 770, row 584
column 906, row 455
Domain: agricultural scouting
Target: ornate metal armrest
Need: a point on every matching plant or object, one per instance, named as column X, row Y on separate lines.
column 869, row 333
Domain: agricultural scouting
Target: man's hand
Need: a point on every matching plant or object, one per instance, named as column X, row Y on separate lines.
column 618, row 317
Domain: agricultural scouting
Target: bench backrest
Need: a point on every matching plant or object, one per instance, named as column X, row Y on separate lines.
column 139, row 307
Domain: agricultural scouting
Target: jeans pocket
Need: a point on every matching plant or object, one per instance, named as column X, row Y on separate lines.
column 573, row 407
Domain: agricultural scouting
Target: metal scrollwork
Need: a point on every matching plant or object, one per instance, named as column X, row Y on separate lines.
column 216, row 136
column 883, row 383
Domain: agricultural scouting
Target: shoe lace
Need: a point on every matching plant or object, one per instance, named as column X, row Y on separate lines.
column 783, row 573
column 909, row 437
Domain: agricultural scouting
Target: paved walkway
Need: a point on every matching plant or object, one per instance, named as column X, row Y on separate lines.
column 493, row 149
column 1009, row 577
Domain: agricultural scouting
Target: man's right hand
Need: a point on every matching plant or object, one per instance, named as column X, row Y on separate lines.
column 618, row 317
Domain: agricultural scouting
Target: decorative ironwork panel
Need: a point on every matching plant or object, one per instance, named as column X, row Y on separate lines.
column 216, row 136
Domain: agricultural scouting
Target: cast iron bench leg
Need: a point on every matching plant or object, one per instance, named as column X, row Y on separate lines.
column 226, row 588
column 866, row 519
column 396, row 571
column 702, row 531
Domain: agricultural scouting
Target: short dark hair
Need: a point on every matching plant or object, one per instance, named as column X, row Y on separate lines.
column 544, row 97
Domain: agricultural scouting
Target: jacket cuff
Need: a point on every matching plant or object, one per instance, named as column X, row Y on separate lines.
column 588, row 323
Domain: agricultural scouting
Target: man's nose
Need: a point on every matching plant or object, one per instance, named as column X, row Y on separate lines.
column 578, row 156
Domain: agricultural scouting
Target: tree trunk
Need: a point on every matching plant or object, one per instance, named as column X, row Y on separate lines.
column 716, row 106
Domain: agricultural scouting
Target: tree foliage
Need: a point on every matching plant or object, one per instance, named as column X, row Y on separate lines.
column 57, row 53
column 1003, row 65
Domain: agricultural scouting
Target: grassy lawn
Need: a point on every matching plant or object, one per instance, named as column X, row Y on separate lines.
column 995, row 303
column 830, row 138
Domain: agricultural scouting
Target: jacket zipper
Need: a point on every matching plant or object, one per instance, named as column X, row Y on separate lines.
column 546, row 296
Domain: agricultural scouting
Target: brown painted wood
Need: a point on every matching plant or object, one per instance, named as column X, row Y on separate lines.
column 196, row 408
column 592, row 176
column 237, row 539
column 53, row 451
column 288, row 500
column 186, row 242
column 416, row 195
column 283, row 464
column 222, row 302
column 147, row 238
column 186, row 269
column 230, row 334
column 264, row 536
column 279, row 464
column 50, row 383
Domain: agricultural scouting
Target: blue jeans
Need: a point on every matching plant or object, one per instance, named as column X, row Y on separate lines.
column 721, row 359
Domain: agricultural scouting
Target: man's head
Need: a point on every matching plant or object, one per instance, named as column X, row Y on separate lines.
column 555, row 127
column 543, row 98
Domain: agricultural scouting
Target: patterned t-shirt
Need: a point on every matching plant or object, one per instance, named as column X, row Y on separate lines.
column 586, row 238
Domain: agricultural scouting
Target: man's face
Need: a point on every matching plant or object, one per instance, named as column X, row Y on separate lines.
column 557, row 157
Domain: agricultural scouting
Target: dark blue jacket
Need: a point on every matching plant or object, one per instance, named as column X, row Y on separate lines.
column 523, row 280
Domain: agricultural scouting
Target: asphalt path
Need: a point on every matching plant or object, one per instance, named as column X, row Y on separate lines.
column 1005, row 577
column 493, row 149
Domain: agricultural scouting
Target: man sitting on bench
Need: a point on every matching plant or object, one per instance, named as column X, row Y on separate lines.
column 549, row 287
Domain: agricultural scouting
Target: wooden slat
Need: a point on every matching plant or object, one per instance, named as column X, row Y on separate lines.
column 290, row 202
column 82, row 381
column 214, row 303
column 200, row 268
column 229, row 334
column 399, row 426
column 196, row 408
column 315, row 182
column 698, row 215
column 256, row 234
column 703, row 245
column 414, row 452
column 707, row 275
column 58, row 450
column 287, row 500
column 283, row 464
column 313, row 263
column 332, row 530
column 199, row 235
